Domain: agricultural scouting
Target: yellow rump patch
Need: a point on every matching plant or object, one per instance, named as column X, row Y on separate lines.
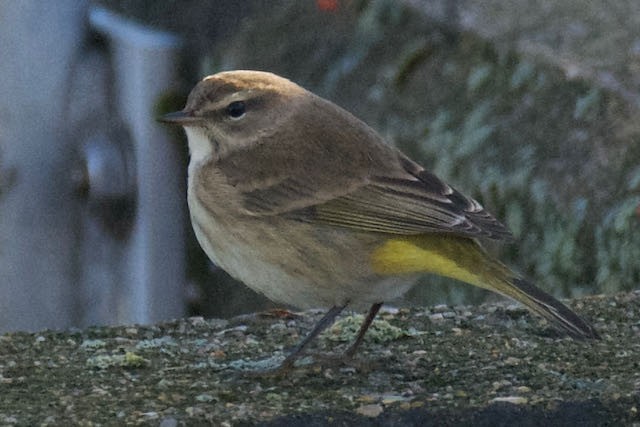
column 436, row 254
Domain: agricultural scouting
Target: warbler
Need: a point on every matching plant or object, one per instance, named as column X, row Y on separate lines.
column 305, row 203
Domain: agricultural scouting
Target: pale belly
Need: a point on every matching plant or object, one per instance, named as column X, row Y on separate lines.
column 295, row 263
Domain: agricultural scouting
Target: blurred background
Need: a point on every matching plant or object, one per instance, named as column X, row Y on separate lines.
column 531, row 107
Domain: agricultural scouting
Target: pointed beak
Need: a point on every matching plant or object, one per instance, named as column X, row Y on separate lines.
column 182, row 118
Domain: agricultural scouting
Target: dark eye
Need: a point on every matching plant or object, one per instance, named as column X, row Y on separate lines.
column 236, row 109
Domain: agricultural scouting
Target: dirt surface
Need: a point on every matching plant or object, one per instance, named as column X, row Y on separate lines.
column 488, row 365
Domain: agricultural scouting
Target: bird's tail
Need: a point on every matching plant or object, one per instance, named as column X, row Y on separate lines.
column 546, row 306
column 464, row 259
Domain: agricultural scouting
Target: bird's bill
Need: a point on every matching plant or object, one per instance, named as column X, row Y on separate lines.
column 182, row 118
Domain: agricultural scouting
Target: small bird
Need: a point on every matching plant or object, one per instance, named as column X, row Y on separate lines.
column 305, row 203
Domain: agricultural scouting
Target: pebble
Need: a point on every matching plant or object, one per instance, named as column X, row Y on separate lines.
column 371, row 411
column 515, row 400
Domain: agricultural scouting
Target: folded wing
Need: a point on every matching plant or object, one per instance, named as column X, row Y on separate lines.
column 413, row 202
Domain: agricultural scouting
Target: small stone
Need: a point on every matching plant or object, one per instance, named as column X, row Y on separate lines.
column 197, row 321
column 193, row 411
column 497, row 385
column 437, row 317
column 515, row 400
column 205, row 397
column 169, row 422
column 513, row 308
column 371, row 411
column 388, row 399
column 440, row 308
column 512, row 361
column 367, row 398
column 151, row 415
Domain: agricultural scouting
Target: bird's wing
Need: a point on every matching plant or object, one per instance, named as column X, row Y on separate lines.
column 400, row 206
column 339, row 172
column 413, row 203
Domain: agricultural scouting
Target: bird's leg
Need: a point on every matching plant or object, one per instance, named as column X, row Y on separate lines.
column 363, row 329
column 326, row 321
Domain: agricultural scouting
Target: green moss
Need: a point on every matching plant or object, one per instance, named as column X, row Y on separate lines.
column 345, row 329
column 459, row 361
column 126, row 360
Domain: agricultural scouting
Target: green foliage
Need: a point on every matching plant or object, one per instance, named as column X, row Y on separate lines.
column 618, row 246
column 479, row 75
column 587, row 103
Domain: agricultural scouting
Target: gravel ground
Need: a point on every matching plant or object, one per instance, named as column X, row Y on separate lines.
column 488, row 365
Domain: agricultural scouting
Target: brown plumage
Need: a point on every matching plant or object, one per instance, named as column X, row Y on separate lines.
column 305, row 203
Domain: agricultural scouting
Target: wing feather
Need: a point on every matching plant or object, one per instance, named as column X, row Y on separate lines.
column 352, row 179
column 414, row 204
